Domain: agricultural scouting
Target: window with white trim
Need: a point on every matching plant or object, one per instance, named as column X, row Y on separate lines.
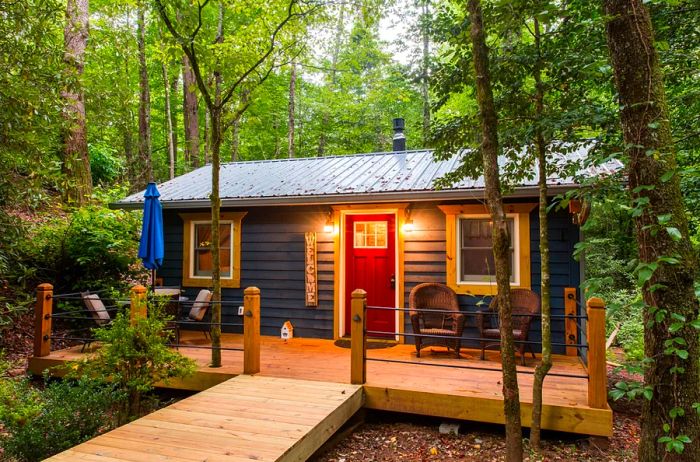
column 370, row 234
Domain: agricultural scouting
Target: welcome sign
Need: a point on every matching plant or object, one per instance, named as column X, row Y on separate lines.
column 310, row 278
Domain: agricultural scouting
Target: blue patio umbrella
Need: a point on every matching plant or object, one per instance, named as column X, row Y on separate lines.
column 152, row 245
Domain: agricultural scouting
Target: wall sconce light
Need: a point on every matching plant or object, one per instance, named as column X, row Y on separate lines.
column 408, row 222
column 329, row 227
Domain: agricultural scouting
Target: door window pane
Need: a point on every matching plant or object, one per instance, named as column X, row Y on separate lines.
column 370, row 234
column 203, row 264
column 475, row 250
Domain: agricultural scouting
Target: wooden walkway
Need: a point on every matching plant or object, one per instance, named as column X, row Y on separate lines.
column 242, row 419
column 470, row 394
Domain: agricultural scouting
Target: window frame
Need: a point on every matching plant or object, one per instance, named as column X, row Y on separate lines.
column 190, row 220
column 492, row 278
column 521, row 246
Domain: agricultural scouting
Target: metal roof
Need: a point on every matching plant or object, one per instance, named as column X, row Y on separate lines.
column 376, row 177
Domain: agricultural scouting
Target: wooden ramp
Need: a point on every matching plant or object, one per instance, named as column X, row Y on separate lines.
column 245, row 418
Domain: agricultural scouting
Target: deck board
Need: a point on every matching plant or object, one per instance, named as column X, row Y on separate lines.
column 416, row 387
column 199, row 429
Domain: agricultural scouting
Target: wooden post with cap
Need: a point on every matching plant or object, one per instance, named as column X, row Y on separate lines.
column 42, row 323
column 138, row 303
column 358, row 339
column 251, row 330
column 597, row 369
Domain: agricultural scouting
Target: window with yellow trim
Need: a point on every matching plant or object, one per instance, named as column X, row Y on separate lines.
column 197, row 265
column 476, row 263
column 469, row 253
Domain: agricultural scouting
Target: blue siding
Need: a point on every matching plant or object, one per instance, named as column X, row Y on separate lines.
column 424, row 261
column 272, row 259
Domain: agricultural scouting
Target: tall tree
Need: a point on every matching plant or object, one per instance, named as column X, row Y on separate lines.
column 190, row 114
column 292, row 98
column 337, row 42
column 541, row 151
column 500, row 236
column 144, row 100
column 425, row 68
column 170, row 131
column 256, row 60
column 667, row 263
column 76, row 160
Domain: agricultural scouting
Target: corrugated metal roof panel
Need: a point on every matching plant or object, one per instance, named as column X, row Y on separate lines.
column 360, row 175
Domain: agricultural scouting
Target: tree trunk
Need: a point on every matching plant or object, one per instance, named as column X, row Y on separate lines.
column 76, row 160
column 425, row 67
column 275, row 129
column 144, row 101
column 173, row 116
column 216, row 133
column 541, row 147
column 207, row 137
column 322, row 140
column 292, row 96
column 236, row 136
column 500, row 238
column 169, row 120
column 661, row 231
column 190, row 114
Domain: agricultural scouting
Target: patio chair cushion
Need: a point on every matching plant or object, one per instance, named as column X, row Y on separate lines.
column 200, row 305
column 96, row 308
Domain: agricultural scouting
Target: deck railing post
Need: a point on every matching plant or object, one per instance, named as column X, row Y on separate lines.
column 42, row 320
column 358, row 339
column 138, row 303
column 597, row 370
column 251, row 330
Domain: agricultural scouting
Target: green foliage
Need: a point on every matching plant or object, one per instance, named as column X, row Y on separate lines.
column 41, row 422
column 134, row 358
column 105, row 164
column 91, row 248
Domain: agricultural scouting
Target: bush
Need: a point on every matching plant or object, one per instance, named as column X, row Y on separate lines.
column 40, row 423
column 94, row 248
column 134, row 358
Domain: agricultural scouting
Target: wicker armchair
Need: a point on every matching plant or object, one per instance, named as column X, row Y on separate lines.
column 434, row 296
column 523, row 302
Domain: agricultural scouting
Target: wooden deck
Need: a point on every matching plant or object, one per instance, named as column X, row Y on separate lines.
column 242, row 419
column 473, row 393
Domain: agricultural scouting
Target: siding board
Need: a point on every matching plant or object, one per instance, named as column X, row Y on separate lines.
column 272, row 258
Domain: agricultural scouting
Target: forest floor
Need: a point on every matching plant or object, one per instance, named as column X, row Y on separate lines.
column 387, row 437
column 398, row 438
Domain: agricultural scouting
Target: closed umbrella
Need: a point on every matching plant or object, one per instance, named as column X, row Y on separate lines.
column 152, row 245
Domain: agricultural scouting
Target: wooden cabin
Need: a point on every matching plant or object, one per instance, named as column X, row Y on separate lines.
column 308, row 231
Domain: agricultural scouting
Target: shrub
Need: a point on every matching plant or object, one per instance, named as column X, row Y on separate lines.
column 134, row 358
column 94, row 248
column 39, row 423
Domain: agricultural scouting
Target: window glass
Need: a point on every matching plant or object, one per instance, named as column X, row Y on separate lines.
column 202, row 249
column 475, row 252
column 370, row 234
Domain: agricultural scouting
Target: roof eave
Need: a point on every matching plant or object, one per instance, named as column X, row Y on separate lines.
column 340, row 199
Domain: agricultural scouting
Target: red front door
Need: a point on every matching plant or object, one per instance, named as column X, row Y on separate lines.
column 370, row 264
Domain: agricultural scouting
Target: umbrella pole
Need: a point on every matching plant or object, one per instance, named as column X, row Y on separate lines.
column 153, row 281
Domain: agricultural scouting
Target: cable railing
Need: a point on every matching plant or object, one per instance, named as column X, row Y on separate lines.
column 137, row 306
column 594, row 345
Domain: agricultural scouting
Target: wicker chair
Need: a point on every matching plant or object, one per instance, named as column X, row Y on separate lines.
column 523, row 302
column 434, row 296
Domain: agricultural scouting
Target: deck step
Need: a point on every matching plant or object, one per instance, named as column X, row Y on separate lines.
column 242, row 419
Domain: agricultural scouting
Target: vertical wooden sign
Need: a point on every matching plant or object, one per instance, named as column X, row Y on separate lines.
column 310, row 272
